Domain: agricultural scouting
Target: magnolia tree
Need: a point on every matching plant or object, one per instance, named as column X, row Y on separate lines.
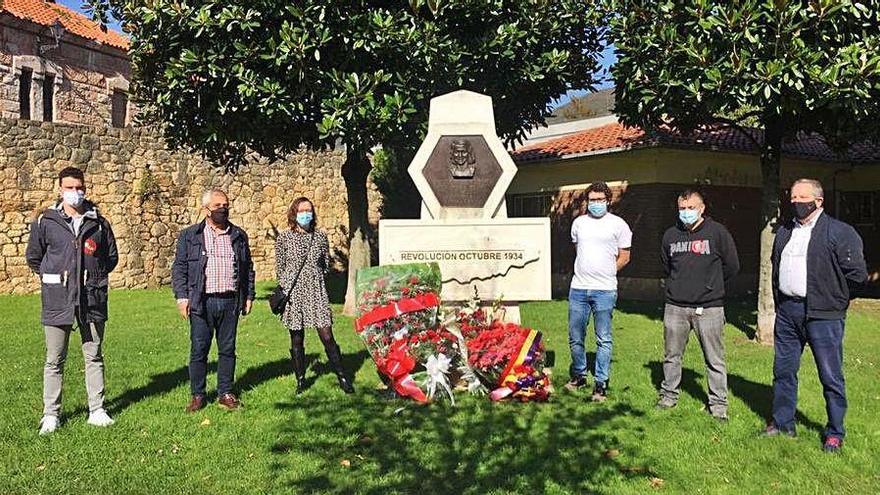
column 227, row 77
column 782, row 66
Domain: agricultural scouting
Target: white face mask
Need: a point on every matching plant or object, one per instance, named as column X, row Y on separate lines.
column 73, row 198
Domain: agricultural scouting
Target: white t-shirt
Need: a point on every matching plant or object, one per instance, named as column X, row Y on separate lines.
column 598, row 241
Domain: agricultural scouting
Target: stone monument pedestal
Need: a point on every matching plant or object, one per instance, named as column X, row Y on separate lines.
column 462, row 171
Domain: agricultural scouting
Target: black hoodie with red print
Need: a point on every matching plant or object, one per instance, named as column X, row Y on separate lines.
column 698, row 263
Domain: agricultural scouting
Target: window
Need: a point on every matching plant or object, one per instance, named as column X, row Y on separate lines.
column 48, row 97
column 24, row 93
column 858, row 208
column 529, row 205
column 119, row 110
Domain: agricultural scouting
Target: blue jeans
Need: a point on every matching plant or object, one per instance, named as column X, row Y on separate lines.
column 220, row 315
column 581, row 303
column 792, row 331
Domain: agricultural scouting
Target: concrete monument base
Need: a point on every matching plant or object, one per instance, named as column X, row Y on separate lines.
column 496, row 258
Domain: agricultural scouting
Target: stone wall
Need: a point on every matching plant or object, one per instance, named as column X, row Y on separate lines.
column 149, row 193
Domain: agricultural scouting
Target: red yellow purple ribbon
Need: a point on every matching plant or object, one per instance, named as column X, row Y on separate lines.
column 508, row 379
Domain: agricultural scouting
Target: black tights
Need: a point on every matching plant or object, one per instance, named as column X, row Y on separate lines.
column 297, row 338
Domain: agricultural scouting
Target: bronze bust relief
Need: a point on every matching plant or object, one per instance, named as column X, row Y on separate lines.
column 461, row 159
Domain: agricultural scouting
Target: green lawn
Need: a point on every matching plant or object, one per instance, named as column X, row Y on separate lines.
column 326, row 442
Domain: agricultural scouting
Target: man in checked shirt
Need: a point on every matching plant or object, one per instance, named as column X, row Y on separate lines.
column 213, row 281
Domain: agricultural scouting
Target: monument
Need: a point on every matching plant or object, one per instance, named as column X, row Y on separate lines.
column 462, row 172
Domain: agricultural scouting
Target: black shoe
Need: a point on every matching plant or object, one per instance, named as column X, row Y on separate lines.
column 832, row 445
column 772, row 431
column 345, row 384
column 301, row 384
column 298, row 359
column 576, row 383
column 600, row 394
column 334, row 355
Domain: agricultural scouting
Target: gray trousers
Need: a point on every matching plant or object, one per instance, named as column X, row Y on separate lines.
column 57, row 339
column 709, row 326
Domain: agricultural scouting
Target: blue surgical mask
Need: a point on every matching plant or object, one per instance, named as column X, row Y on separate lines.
column 688, row 217
column 73, row 198
column 304, row 218
column 598, row 209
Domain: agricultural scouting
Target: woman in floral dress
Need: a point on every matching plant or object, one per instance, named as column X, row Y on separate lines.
column 301, row 261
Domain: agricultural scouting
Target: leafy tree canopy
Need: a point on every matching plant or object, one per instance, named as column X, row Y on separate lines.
column 800, row 65
column 785, row 65
column 270, row 75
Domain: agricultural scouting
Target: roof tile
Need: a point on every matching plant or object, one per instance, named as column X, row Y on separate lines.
column 46, row 13
column 617, row 137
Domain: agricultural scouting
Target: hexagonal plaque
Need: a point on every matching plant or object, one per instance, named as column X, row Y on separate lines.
column 462, row 171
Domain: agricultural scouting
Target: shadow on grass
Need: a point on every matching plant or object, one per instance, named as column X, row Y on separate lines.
column 758, row 397
column 742, row 314
column 255, row 376
column 162, row 383
column 159, row 384
column 690, row 381
column 351, row 363
column 475, row 447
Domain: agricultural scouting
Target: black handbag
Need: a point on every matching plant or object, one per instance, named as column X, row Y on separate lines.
column 279, row 298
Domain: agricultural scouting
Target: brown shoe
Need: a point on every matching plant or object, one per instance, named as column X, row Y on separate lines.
column 229, row 402
column 197, row 402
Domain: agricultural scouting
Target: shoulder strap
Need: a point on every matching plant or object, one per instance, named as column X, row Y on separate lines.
column 301, row 265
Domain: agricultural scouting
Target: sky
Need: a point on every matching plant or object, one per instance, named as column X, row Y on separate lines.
column 607, row 58
column 78, row 5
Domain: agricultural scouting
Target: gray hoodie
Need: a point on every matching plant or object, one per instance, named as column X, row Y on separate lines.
column 73, row 267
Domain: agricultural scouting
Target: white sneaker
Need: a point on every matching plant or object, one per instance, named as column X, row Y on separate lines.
column 48, row 424
column 100, row 418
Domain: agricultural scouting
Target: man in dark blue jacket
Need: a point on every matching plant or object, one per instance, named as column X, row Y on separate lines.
column 818, row 264
column 73, row 250
column 213, row 281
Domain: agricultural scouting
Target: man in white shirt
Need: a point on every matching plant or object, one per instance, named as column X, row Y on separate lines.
column 818, row 266
column 603, row 242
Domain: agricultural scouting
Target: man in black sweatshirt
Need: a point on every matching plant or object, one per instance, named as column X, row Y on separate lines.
column 699, row 257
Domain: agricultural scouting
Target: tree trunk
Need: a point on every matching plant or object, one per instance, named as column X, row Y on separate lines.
column 355, row 171
column 770, row 168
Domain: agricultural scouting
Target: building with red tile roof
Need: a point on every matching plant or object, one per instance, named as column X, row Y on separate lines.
column 57, row 65
column 646, row 172
column 48, row 13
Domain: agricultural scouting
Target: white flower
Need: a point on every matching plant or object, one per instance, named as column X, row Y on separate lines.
column 437, row 368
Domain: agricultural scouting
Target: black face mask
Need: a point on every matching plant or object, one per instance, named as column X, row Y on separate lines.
column 803, row 210
column 220, row 215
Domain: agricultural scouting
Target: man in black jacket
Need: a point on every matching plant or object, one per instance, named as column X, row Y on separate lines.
column 818, row 263
column 72, row 249
column 213, row 281
column 699, row 257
